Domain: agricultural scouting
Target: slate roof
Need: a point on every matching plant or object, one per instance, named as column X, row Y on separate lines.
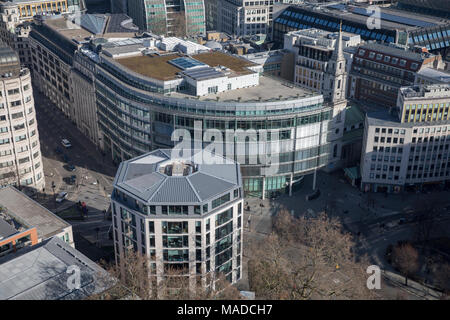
column 393, row 51
column 141, row 178
column 40, row 273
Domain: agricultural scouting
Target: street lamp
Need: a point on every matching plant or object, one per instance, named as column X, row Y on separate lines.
column 53, row 188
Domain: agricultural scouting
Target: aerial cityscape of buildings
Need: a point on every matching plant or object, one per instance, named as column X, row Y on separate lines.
column 195, row 118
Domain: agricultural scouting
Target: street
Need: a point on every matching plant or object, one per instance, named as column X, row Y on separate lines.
column 93, row 184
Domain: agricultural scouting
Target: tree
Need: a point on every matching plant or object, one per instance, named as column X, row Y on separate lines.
column 136, row 281
column 442, row 277
column 307, row 258
column 426, row 212
column 331, row 205
column 179, row 28
column 157, row 25
column 406, row 259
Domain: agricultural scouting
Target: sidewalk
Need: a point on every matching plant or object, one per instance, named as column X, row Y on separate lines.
column 413, row 287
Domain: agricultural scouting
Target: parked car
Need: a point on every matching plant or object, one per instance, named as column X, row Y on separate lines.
column 66, row 143
column 70, row 167
column 61, row 196
column 70, row 180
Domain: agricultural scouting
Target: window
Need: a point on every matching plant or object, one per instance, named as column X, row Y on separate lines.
column 219, row 201
column 224, row 217
column 174, row 227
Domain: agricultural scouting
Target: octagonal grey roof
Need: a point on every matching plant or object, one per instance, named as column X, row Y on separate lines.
column 143, row 177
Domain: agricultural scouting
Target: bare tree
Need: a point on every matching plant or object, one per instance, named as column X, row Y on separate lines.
column 307, row 258
column 179, row 28
column 331, row 205
column 136, row 281
column 426, row 212
column 158, row 26
column 442, row 277
column 406, row 259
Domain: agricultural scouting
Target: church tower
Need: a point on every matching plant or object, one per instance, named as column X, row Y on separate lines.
column 335, row 83
column 336, row 76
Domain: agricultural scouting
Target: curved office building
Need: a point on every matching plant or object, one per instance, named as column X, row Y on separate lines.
column 143, row 96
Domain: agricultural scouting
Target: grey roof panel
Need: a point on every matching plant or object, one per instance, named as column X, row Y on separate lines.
column 208, row 186
column 6, row 229
column 143, row 178
column 146, row 182
column 175, row 189
column 225, row 172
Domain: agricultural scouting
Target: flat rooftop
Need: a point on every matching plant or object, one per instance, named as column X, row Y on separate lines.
column 386, row 119
column 30, row 213
column 104, row 25
column 437, row 75
column 68, row 29
column 155, row 67
column 39, row 273
column 158, row 66
column 268, row 90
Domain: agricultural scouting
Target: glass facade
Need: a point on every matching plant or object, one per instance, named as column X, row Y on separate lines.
column 136, row 117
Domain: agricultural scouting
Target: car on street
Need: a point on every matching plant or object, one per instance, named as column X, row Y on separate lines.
column 66, row 143
column 70, row 167
column 70, row 180
column 61, row 197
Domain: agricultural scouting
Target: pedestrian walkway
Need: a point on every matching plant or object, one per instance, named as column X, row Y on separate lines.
column 413, row 287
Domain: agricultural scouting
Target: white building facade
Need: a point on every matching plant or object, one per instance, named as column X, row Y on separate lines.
column 182, row 214
column 20, row 154
column 240, row 17
column 411, row 148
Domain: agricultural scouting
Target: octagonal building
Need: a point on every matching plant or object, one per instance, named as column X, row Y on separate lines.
column 182, row 212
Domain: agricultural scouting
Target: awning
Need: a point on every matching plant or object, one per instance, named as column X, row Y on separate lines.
column 352, row 173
